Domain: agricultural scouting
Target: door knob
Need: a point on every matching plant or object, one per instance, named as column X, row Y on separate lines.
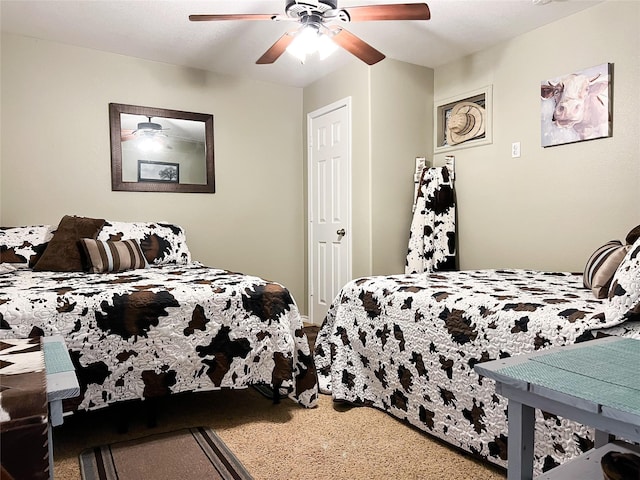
column 341, row 232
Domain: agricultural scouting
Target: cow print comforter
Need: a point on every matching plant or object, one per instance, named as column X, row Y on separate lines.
column 407, row 344
column 166, row 329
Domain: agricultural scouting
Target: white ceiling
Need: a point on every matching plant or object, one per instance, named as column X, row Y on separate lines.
column 160, row 30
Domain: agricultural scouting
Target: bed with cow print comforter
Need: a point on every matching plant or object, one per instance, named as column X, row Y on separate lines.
column 176, row 326
column 407, row 344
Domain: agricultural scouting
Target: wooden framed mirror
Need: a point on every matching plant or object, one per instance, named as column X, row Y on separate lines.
column 161, row 150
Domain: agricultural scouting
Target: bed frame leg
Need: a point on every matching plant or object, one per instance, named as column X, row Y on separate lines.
column 121, row 417
column 122, row 413
column 152, row 412
column 276, row 393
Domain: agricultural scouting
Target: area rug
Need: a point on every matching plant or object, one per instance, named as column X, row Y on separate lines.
column 193, row 453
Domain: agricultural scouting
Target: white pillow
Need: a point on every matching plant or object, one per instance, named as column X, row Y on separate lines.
column 624, row 292
column 161, row 242
column 24, row 244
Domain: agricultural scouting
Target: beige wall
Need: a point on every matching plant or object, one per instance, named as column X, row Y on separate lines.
column 55, row 156
column 401, row 113
column 553, row 206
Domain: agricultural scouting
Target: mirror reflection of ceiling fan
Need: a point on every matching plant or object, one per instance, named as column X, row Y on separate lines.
column 151, row 135
column 149, row 128
column 321, row 27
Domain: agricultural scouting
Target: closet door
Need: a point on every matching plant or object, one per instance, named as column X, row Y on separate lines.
column 329, row 172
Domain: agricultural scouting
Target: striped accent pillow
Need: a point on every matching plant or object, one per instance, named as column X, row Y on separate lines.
column 113, row 256
column 602, row 265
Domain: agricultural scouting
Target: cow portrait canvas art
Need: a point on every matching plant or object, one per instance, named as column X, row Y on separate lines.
column 576, row 106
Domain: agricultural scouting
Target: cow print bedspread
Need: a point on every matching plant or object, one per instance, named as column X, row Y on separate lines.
column 166, row 329
column 407, row 344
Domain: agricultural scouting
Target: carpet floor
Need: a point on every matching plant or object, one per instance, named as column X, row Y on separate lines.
column 283, row 441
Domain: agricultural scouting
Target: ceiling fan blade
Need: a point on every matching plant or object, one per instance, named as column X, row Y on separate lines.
column 126, row 135
column 232, row 16
column 277, row 49
column 399, row 11
column 357, row 47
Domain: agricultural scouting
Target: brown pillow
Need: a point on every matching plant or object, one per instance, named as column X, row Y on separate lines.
column 63, row 253
column 633, row 235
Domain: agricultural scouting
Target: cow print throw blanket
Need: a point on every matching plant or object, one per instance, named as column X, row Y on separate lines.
column 433, row 228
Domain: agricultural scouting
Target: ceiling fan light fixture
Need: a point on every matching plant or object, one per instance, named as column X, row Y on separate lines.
column 309, row 40
column 304, row 43
column 149, row 144
column 326, row 46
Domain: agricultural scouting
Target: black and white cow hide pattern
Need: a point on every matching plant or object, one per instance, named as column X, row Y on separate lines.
column 166, row 329
column 24, row 245
column 407, row 344
column 161, row 243
column 432, row 235
column 624, row 291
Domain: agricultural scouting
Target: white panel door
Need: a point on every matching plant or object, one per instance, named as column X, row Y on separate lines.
column 329, row 205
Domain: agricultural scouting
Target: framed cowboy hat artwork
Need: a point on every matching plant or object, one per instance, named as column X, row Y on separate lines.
column 463, row 121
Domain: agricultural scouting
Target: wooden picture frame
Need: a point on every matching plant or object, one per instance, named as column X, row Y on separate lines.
column 166, row 172
column 169, row 126
column 483, row 97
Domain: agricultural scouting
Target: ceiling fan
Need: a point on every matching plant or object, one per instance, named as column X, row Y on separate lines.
column 146, row 132
column 322, row 20
column 149, row 128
